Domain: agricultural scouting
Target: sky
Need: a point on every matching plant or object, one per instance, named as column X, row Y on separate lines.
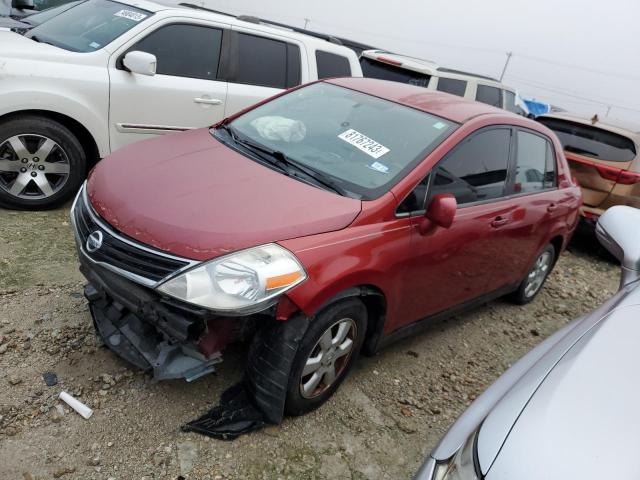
column 582, row 55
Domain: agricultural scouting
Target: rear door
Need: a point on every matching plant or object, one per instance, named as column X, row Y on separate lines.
column 186, row 92
column 260, row 65
column 598, row 158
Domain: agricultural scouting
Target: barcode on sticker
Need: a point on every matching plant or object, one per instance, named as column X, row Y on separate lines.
column 131, row 15
column 363, row 143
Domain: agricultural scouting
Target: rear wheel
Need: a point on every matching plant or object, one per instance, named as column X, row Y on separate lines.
column 325, row 355
column 537, row 275
column 42, row 163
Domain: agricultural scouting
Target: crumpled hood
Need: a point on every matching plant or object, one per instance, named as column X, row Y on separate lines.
column 192, row 196
column 583, row 422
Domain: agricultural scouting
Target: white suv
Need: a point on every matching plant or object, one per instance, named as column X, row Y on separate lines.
column 425, row 73
column 104, row 74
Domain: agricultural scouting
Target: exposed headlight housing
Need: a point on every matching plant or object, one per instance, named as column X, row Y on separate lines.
column 240, row 283
column 463, row 465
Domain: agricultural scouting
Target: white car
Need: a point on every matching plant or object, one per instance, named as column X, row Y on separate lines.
column 425, row 73
column 104, row 74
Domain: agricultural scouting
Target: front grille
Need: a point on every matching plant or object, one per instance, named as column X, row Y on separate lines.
column 117, row 252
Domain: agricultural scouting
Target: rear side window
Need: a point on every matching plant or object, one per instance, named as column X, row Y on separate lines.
column 332, row 65
column 476, row 170
column 489, row 95
column 384, row 71
column 592, row 141
column 184, row 50
column 265, row 62
column 452, row 85
column 535, row 169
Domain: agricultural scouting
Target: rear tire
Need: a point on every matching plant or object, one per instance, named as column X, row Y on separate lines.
column 42, row 163
column 536, row 276
column 325, row 355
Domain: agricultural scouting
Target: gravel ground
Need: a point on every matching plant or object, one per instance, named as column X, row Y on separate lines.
column 387, row 415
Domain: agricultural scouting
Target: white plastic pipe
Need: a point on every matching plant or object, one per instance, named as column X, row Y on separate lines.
column 78, row 406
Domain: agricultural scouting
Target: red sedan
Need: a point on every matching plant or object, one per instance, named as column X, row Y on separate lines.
column 331, row 219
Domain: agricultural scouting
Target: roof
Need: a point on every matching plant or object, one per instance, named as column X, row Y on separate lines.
column 442, row 104
column 625, row 128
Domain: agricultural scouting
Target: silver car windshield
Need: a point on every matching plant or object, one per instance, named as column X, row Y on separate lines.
column 364, row 144
column 88, row 26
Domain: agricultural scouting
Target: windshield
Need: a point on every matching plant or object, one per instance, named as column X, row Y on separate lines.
column 44, row 15
column 88, row 26
column 364, row 144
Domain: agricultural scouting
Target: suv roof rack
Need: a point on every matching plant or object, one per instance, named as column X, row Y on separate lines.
column 461, row 72
column 251, row 19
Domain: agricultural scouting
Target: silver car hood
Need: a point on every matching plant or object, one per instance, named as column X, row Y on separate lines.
column 583, row 420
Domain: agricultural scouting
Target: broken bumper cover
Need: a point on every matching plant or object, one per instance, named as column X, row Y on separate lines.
column 152, row 333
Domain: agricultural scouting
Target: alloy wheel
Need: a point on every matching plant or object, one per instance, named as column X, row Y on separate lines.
column 328, row 358
column 32, row 166
column 537, row 275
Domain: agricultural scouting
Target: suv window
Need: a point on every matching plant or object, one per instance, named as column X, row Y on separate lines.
column 489, row 95
column 535, row 169
column 477, row 169
column 332, row 65
column 592, row 141
column 265, row 62
column 384, row 71
column 452, row 85
column 184, row 50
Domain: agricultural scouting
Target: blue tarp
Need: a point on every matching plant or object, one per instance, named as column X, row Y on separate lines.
column 537, row 108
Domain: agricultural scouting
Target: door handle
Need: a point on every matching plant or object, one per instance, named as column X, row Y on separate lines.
column 207, row 101
column 552, row 208
column 499, row 221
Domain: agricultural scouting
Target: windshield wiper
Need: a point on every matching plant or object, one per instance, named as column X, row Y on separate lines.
column 284, row 163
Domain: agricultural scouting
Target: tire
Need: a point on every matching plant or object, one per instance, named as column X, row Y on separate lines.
column 29, row 182
column 341, row 322
column 535, row 277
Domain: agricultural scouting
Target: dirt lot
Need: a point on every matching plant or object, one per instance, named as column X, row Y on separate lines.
column 385, row 418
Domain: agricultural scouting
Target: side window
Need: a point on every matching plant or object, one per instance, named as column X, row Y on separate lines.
column 489, row 95
column 416, row 199
column 265, row 62
column 477, row 169
column 532, row 161
column 332, row 65
column 452, row 85
column 550, row 172
column 184, row 50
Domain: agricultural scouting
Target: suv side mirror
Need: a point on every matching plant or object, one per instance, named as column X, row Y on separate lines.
column 618, row 230
column 440, row 211
column 22, row 4
column 142, row 63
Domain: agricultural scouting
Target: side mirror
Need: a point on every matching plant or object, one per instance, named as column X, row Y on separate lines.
column 618, row 230
column 22, row 4
column 440, row 211
column 142, row 63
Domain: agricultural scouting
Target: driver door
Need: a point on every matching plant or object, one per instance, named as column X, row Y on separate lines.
column 184, row 93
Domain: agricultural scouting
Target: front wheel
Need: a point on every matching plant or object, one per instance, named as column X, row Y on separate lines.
column 325, row 355
column 42, row 163
column 537, row 275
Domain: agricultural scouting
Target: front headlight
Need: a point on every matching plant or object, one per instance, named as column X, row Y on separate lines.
column 240, row 283
column 463, row 465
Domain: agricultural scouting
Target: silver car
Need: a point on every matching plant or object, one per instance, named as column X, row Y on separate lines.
column 569, row 408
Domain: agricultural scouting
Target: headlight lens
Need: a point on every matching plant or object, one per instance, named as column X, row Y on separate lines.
column 462, row 466
column 243, row 282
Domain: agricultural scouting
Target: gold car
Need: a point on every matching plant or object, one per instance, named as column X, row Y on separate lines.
column 604, row 159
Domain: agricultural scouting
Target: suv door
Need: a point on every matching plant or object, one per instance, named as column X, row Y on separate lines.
column 259, row 67
column 186, row 91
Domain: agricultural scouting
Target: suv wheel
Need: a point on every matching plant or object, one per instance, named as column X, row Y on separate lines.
column 325, row 355
column 537, row 275
column 42, row 163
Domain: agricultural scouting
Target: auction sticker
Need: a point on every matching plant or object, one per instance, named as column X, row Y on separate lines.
column 131, row 15
column 363, row 143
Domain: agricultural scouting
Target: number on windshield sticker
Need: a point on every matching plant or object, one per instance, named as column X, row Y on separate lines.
column 363, row 143
column 135, row 16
